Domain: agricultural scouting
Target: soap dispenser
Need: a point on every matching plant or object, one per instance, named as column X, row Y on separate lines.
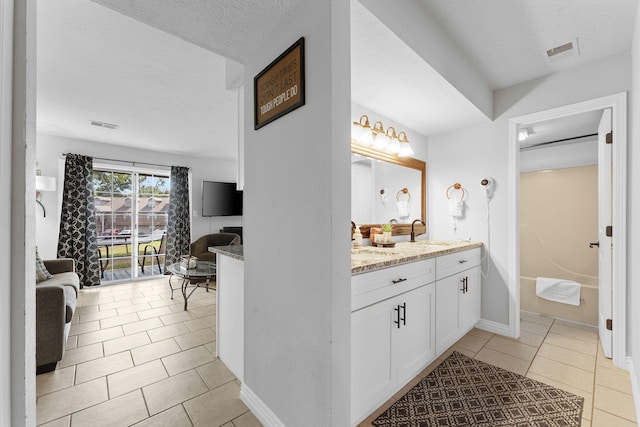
column 357, row 237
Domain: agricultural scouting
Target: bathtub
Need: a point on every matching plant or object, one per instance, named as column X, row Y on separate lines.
column 586, row 312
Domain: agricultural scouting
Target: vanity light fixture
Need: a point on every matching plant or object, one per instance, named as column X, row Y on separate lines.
column 405, row 149
column 523, row 134
column 387, row 141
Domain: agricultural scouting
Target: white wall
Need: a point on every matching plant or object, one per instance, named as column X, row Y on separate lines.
column 422, row 33
column 472, row 153
column 297, row 174
column 560, row 156
column 6, row 62
column 6, row 82
column 633, row 227
column 49, row 161
column 17, row 192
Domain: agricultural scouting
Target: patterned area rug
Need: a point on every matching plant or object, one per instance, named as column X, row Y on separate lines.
column 463, row 391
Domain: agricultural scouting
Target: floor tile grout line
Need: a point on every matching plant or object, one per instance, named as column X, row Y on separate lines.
column 573, row 337
column 595, row 369
column 538, row 347
column 187, row 412
column 616, row 415
column 592, row 381
column 189, row 330
column 593, row 373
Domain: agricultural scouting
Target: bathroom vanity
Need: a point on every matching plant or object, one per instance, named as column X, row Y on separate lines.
column 409, row 304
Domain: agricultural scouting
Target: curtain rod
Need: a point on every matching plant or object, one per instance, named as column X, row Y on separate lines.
column 540, row 144
column 126, row 161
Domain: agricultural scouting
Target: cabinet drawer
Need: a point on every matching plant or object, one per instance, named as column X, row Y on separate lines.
column 369, row 288
column 456, row 262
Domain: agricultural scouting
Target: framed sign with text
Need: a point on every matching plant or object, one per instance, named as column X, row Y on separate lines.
column 279, row 88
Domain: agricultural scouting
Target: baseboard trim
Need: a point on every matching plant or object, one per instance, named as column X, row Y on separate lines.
column 495, row 327
column 259, row 408
column 635, row 387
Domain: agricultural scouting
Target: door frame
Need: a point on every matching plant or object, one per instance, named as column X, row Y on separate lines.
column 618, row 105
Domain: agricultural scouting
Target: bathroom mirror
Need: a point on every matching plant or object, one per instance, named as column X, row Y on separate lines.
column 386, row 187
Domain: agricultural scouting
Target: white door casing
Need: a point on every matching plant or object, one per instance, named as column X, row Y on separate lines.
column 618, row 105
column 604, row 219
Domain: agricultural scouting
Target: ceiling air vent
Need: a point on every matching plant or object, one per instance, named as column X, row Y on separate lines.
column 104, row 125
column 563, row 51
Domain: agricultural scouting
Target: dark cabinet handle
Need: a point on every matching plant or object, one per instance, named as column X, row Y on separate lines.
column 397, row 321
column 591, row 245
column 465, row 284
column 402, row 319
column 462, row 261
column 395, row 282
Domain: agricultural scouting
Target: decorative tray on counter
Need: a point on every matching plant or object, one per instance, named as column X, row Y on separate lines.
column 384, row 245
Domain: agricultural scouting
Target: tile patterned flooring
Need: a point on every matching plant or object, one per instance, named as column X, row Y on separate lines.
column 135, row 357
column 562, row 354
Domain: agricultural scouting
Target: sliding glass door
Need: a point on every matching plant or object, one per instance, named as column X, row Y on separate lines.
column 131, row 219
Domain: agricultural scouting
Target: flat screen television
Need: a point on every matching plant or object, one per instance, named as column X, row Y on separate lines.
column 221, row 199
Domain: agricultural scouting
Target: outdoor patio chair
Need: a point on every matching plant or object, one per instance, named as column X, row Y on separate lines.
column 150, row 251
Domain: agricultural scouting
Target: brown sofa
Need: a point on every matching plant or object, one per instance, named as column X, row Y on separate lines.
column 55, row 305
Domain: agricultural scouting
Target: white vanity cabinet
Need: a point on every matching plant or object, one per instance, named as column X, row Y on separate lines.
column 392, row 331
column 457, row 296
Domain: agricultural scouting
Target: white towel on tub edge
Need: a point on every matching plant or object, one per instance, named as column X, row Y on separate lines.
column 558, row 290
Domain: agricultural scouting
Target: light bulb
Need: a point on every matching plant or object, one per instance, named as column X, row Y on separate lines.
column 381, row 141
column 405, row 148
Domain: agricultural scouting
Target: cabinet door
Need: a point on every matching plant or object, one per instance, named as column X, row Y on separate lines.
column 414, row 341
column 447, row 311
column 470, row 300
column 373, row 376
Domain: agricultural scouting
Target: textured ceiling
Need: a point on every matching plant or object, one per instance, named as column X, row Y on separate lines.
column 154, row 67
column 391, row 79
column 230, row 28
column 164, row 93
column 507, row 39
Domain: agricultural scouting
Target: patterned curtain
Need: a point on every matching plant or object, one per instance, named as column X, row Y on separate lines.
column 78, row 237
column 179, row 224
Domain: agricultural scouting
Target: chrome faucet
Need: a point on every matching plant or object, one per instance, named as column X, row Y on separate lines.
column 413, row 233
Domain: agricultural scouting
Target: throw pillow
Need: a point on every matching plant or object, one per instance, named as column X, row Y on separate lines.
column 41, row 271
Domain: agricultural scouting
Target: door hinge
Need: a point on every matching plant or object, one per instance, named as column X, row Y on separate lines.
column 609, row 325
column 609, row 231
column 609, row 138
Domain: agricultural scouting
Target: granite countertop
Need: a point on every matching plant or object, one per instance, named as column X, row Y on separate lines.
column 233, row 251
column 369, row 258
